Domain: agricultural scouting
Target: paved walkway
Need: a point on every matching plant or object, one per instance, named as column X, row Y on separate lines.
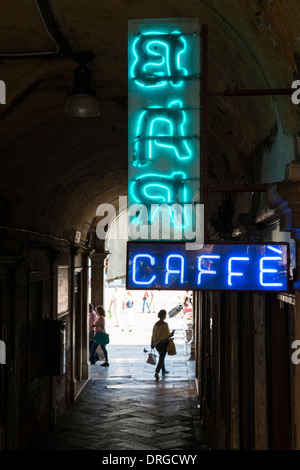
column 123, row 407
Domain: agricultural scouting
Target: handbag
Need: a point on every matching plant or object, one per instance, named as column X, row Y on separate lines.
column 101, row 338
column 151, row 358
column 106, row 338
column 171, row 349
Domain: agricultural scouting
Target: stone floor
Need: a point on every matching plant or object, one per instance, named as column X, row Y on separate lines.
column 123, row 407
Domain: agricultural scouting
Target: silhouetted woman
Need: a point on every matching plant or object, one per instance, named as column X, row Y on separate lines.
column 160, row 340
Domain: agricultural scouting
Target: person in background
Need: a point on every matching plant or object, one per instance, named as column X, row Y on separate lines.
column 115, row 306
column 160, row 340
column 99, row 327
column 188, row 298
column 188, row 307
column 188, row 322
column 123, row 313
column 92, row 319
column 129, row 303
column 152, row 302
column 145, row 302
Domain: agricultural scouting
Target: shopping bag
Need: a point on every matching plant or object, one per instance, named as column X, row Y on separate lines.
column 151, row 358
column 171, row 350
column 101, row 338
column 174, row 311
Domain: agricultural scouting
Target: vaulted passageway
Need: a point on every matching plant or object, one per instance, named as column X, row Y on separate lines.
column 56, row 170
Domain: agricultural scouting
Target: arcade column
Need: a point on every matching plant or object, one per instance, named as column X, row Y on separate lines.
column 97, row 278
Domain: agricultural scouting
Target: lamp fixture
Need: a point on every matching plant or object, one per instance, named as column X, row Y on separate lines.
column 82, row 101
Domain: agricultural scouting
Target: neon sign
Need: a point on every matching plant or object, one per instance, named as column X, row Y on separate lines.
column 157, row 59
column 160, row 127
column 164, row 114
column 250, row 267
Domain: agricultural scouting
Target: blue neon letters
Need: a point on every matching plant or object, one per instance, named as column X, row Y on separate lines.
column 179, row 272
column 217, row 266
column 140, row 258
column 208, row 259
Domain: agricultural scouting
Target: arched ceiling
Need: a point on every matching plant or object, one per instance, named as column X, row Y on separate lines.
column 56, row 170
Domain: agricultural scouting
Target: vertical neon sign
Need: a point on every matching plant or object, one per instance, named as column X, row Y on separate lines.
column 164, row 118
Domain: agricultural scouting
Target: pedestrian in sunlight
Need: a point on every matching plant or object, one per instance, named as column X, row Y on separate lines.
column 92, row 319
column 101, row 338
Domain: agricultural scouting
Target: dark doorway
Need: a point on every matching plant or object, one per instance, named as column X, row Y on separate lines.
column 279, row 376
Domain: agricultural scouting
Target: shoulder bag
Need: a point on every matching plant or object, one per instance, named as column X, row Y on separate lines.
column 171, row 349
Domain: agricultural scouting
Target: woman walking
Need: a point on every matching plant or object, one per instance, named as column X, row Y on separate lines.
column 99, row 339
column 160, row 340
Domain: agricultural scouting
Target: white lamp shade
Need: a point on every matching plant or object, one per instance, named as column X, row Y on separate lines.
column 82, row 106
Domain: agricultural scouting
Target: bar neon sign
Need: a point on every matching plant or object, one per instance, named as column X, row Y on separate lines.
column 218, row 266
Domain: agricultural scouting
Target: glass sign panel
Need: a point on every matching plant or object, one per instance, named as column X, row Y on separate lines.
column 164, row 121
column 218, row 266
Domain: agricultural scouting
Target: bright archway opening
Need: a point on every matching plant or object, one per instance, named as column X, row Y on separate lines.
column 130, row 328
